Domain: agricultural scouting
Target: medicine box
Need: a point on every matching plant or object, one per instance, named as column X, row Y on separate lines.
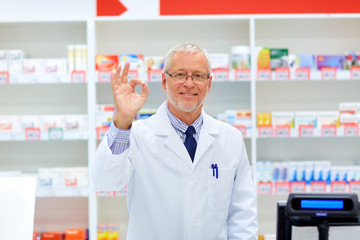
column 106, row 63
column 279, row 57
column 15, row 61
column 305, row 60
column 154, row 63
column 240, row 57
column 219, row 61
column 330, row 61
column 305, row 118
column 282, row 118
column 263, row 57
column 327, row 118
column 136, row 61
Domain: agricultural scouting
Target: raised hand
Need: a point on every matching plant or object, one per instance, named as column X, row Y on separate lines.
column 127, row 101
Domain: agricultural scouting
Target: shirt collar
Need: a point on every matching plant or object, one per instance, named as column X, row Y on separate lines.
column 180, row 125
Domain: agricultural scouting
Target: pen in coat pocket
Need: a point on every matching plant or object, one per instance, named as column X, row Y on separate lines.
column 215, row 170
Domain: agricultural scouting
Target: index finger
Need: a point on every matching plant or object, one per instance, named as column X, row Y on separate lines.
column 125, row 72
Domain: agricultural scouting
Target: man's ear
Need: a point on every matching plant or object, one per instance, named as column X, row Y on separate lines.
column 163, row 81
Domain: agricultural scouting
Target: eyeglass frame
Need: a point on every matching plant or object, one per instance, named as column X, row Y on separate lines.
column 186, row 77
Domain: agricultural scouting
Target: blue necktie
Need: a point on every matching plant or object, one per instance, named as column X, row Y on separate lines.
column 190, row 142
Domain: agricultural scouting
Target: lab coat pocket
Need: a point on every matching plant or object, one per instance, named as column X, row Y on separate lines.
column 220, row 185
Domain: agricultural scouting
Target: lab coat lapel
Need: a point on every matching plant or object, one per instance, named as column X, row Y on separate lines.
column 172, row 140
column 207, row 136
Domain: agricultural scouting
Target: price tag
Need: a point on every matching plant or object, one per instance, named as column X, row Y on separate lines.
column 328, row 131
column 242, row 129
column 101, row 132
column 351, row 130
column 265, row 131
column 264, row 188
column 355, row 73
column 78, row 76
column 4, row 77
column 32, row 133
column 296, row 187
column 282, row 131
column 328, row 73
column 306, row 130
column 318, row 187
column 155, row 75
column 282, row 188
column 242, row 74
column 55, row 133
column 282, row 73
column 221, row 74
column 338, row 187
column 104, row 77
column 264, row 74
column 302, row 74
column 354, row 186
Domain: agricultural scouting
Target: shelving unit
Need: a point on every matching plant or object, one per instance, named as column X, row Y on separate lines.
column 48, row 38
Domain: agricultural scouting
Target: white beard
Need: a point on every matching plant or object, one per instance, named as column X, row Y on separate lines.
column 179, row 105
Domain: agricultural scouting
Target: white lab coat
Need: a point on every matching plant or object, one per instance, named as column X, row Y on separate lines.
column 171, row 198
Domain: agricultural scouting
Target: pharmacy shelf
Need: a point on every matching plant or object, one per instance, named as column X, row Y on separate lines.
column 308, row 132
column 62, row 192
column 43, row 79
column 312, row 75
column 46, row 36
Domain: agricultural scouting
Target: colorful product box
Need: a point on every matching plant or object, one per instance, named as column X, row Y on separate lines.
column 145, row 113
column 349, row 119
column 263, row 119
column 104, row 115
column 76, row 123
column 102, row 233
column 263, row 58
column 238, row 117
column 330, row 61
column 33, row 66
column 136, row 61
column 55, row 66
column 52, row 236
column 349, row 107
column 106, row 63
column 327, row 118
column 305, row 60
column 240, row 57
column 113, row 232
column 351, row 59
column 76, row 177
column 264, row 171
column 3, row 61
column 305, row 118
column 154, row 63
column 219, row 61
column 31, row 121
column 322, row 171
column 280, row 171
column 51, row 177
column 75, row 234
column 10, row 124
column 53, row 121
column 15, row 61
column 279, row 57
column 282, row 118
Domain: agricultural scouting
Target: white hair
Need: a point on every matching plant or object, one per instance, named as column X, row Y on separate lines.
column 185, row 47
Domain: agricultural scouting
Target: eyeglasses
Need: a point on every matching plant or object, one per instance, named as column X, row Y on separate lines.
column 182, row 77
